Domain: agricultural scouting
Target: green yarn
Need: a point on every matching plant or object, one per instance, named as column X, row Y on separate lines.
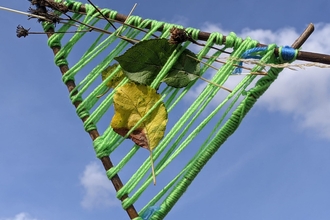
column 189, row 124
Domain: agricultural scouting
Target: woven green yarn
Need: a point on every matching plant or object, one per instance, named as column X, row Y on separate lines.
column 230, row 126
column 190, row 122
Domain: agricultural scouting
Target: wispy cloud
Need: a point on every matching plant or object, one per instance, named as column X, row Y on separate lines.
column 180, row 20
column 303, row 94
column 99, row 191
column 20, row 216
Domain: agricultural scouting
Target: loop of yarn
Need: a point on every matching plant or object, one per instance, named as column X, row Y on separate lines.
column 287, row 54
column 102, row 150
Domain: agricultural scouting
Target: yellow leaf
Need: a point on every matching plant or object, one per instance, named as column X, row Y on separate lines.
column 115, row 80
column 132, row 102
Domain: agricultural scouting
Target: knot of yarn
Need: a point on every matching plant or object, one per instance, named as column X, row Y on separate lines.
column 60, row 60
column 76, row 97
column 287, row 54
column 89, row 126
column 254, row 53
column 193, row 33
column 126, row 202
column 55, row 41
column 75, row 5
column 230, row 39
column 217, row 37
column 102, row 150
column 68, row 77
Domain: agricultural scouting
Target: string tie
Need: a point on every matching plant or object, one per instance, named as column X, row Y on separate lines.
column 149, row 212
column 254, row 53
column 287, row 54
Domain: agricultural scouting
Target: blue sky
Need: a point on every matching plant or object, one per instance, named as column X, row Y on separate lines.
column 275, row 166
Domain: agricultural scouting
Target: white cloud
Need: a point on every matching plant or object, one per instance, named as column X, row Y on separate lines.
column 180, row 20
column 214, row 27
column 99, row 191
column 20, row 216
column 285, row 36
column 303, row 94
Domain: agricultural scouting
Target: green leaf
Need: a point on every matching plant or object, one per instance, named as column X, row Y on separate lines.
column 180, row 79
column 185, row 70
column 142, row 62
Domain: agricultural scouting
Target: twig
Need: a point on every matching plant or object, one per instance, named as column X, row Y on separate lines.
column 243, row 67
column 203, row 45
column 215, row 84
column 99, row 11
column 120, row 22
column 179, row 35
column 303, row 37
column 206, row 80
column 121, row 27
column 25, row 13
column 132, row 41
column 22, row 32
column 204, row 36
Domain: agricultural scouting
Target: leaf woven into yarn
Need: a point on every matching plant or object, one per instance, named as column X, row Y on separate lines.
column 132, row 102
column 184, row 70
column 142, row 62
column 115, row 80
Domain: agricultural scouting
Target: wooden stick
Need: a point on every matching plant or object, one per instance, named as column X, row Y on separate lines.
column 99, row 11
column 303, row 37
column 107, row 164
column 204, row 36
